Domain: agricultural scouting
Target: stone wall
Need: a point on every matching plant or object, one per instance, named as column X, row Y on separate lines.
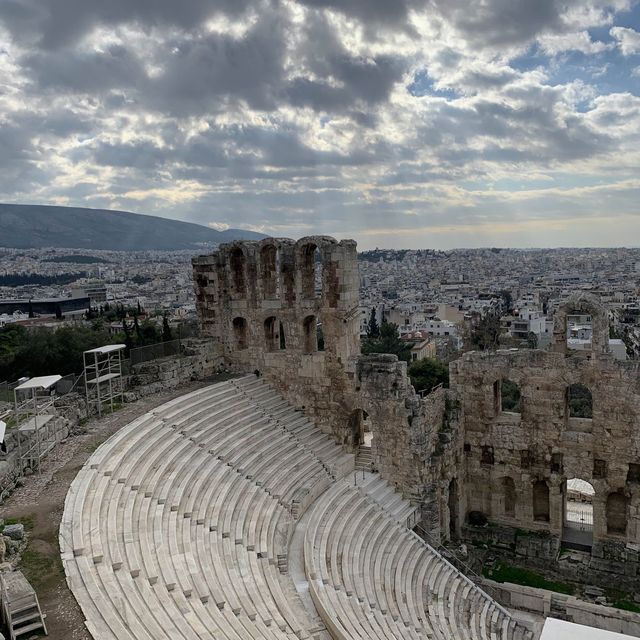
column 557, row 605
column 264, row 305
column 516, row 464
column 259, row 303
column 288, row 310
column 416, row 444
column 199, row 359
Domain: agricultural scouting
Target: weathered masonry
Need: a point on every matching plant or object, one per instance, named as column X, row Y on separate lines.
column 290, row 311
column 566, row 417
column 506, row 444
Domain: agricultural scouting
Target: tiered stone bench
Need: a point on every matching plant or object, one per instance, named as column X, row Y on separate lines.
column 371, row 577
column 179, row 527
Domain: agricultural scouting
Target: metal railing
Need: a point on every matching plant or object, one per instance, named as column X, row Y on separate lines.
column 70, row 383
column 155, row 351
column 465, row 571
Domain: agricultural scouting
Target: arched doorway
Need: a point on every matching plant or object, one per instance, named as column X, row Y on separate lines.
column 356, row 420
column 577, row 527
column 361, row 439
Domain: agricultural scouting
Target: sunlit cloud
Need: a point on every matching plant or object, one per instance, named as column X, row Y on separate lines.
column 392, row 122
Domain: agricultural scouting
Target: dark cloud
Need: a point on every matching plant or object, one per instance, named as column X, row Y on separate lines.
column 81, row 72
column 59, row 23
column 501, row 22
column 391, row 13
column 286, row 119
column 198, row 73
column 141, row 155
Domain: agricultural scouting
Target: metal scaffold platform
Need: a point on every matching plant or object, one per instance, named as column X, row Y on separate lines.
column 37, row 420
column 103, row 375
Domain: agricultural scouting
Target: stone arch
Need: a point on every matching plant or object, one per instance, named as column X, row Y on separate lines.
column 540, row 494
column 240, row 333
column 271, row 336
column 588, row 304
column 237, row 264
column 509, row 496
column 269, row 270
column 309, row 254
column 617, row 513
column 579, row 401
column 309, row 334
column 510, row 396
column 578, row 514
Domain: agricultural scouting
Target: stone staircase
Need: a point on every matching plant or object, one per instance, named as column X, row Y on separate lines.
column 364, row 458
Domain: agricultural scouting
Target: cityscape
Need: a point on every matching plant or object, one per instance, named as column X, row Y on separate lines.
column 320, row 320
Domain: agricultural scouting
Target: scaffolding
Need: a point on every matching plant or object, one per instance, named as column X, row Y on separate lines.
column 38, row 424
column 103, row 375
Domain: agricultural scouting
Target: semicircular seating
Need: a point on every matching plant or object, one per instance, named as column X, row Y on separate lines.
column 179, row 526
column 371, row 577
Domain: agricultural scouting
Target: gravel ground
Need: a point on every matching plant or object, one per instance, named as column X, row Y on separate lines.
column 40, row 502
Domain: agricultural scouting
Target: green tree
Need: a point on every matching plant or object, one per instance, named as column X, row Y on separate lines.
column 167, row 334
column 510, row 396
column 128, row 340
column 428, row 373
column 485, row 333
column 506, row 300
column 532, row 340
column 387, row 342
column 149, row 332
column 373, row 330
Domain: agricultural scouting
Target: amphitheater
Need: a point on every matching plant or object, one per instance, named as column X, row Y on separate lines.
column 183, row 524
column 261, row 506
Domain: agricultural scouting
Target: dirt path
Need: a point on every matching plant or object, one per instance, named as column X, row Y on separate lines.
column 40, row 503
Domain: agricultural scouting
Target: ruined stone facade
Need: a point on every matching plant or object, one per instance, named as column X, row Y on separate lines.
column 515, row 464
column 289, row 310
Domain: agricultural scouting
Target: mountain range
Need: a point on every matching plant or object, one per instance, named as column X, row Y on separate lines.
column 25, row 226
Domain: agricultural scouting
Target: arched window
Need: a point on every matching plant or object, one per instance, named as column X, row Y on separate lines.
column 579, row 401
column 283, row 339
column 310, row 337
column 237, row 263
column 509, row 495
column 616, row 513
column 541, row 501
column 510, row 396
column 240, row 333
column 310, row 256
column 269, row 271
column 271, row 339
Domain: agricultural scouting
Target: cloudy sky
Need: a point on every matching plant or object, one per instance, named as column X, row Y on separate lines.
column 400, row 123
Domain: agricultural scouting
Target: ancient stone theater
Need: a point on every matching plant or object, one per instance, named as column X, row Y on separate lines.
column 307, row 495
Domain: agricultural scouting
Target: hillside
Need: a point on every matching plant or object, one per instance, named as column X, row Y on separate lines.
column 25, row 226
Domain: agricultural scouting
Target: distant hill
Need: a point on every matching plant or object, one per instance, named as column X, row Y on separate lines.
column 25, row 226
